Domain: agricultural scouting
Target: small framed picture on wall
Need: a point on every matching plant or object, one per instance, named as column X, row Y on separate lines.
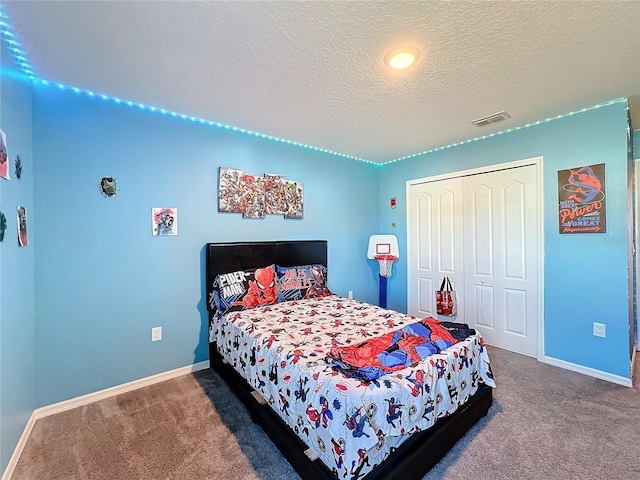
column 164, row 221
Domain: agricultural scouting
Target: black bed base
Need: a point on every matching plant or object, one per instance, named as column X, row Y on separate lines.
column 412, row 460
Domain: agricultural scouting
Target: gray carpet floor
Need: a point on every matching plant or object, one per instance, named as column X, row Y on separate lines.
column 545, row 423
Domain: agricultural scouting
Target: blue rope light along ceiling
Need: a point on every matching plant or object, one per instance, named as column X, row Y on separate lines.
column 14, row 45
column 619, row 100
column 20, row 56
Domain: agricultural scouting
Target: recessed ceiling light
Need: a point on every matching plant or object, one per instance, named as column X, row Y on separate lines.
column 401, row 58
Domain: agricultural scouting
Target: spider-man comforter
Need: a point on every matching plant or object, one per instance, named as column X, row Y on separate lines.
column 392, row 351
column 351, row 424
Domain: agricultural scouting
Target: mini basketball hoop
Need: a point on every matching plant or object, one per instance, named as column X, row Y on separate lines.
column 385, row 262
column 384, row 249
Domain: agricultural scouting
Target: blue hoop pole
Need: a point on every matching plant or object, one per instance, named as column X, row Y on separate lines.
column 383, row 292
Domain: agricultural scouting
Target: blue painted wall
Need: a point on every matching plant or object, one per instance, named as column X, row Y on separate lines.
column 103, row 281
column 585, row 276
column 17, row 313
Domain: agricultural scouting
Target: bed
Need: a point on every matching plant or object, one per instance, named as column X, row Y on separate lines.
column 391, row 433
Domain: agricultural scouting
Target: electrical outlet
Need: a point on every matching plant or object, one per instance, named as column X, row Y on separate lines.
column 350, row 295
column 599, row 329
column 156, row 334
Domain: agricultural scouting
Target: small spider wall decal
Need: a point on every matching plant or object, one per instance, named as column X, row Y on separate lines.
column 3, row 226
column 18, row 167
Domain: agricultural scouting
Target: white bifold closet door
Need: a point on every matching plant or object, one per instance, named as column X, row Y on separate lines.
column 481, row 231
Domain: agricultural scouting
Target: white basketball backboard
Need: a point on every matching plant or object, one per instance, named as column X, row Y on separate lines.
column 383, row 245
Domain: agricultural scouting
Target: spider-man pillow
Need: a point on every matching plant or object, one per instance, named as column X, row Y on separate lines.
column 245, row 289
column 302, row 281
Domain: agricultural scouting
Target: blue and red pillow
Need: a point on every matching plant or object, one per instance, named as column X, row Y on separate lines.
column 302, row 281
column 245, row 289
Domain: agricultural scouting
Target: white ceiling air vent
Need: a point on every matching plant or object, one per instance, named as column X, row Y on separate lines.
column 489, row 119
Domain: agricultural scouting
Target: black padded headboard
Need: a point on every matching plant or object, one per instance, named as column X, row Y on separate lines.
column 230, row 257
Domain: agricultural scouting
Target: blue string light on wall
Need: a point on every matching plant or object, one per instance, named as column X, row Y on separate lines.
column 612, row 102
column 19, row 54
column 201, row 121
column 15, row 47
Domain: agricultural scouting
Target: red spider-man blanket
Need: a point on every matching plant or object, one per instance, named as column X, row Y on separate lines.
column 395, row 350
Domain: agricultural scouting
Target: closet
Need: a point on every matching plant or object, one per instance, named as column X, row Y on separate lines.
column 482, row 229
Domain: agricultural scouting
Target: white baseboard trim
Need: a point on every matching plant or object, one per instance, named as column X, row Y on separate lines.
column 65, row 405
column 592, row 372
column 13, row 461
column 118, row 389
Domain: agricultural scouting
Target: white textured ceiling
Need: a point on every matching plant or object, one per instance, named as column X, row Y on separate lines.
column 312, row 72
